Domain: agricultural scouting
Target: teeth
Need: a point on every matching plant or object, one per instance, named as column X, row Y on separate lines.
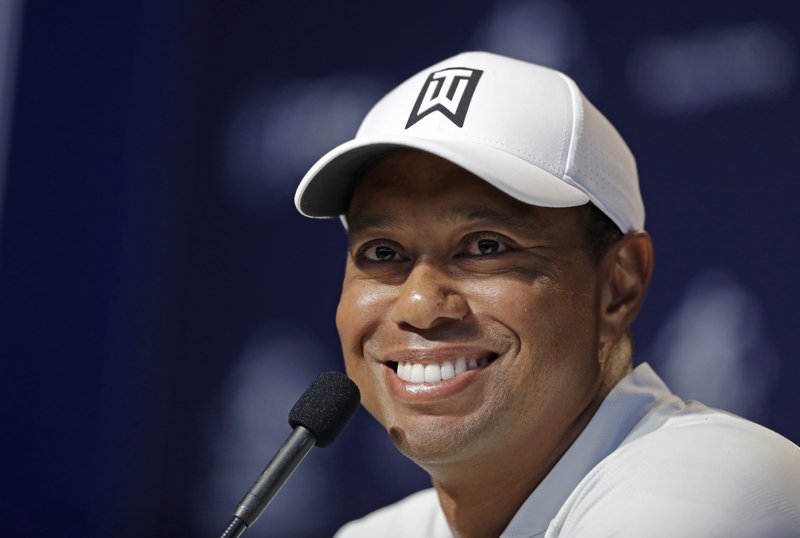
column 433, row 373
column 448, row 370
column 417, row 374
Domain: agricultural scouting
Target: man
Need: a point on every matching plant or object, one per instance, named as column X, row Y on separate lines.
column 497, row 260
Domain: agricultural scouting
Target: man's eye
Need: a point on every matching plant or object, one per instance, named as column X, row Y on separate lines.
column 488, row 246
column 484, row 246
column 380, row 253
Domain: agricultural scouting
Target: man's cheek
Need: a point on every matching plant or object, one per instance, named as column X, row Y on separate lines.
column 361, row 311
column 357, row 370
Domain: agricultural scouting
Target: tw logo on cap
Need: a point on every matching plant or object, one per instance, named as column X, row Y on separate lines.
column 448, row 91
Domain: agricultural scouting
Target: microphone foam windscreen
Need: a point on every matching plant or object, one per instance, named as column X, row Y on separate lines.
column 326, row 406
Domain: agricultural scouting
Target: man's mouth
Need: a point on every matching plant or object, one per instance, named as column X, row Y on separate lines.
column 416, row 372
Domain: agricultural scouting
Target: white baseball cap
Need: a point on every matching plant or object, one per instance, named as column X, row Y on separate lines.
column 525, row 129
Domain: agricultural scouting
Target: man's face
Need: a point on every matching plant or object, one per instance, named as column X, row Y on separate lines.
column 445, row 273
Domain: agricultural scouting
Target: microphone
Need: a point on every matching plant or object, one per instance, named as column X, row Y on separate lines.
column 318, row 417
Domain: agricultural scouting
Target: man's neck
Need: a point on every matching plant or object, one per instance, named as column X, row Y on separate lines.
column 478, row 507
column 480, row 496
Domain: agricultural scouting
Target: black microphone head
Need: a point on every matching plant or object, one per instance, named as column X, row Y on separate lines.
column 326, row 406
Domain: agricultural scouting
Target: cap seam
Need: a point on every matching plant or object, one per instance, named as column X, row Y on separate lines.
column 577, row 120
column 566, row 143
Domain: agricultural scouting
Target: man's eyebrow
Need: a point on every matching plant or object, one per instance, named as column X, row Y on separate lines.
column 366, row 222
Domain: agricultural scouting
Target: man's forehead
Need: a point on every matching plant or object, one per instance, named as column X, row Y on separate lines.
column 375, row 218
column 534, row 222
column 418, row 173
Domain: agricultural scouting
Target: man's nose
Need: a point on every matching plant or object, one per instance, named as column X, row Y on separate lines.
column 427, row 298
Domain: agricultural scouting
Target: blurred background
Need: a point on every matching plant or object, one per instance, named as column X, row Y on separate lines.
column 163, row 305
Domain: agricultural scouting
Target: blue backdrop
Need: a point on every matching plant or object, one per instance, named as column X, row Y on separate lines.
column 163, row 305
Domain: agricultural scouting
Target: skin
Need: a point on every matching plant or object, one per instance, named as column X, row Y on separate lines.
column 441, row 265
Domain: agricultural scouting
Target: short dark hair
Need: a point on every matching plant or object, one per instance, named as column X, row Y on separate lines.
column 600, row 231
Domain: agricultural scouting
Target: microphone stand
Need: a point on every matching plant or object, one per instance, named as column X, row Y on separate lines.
column 270, row 481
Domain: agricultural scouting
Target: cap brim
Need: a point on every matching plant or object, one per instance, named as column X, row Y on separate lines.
column 325, row 190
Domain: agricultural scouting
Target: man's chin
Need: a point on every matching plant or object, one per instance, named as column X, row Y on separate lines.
column 431, row 446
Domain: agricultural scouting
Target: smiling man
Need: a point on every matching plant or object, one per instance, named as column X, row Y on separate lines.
column 497, row 259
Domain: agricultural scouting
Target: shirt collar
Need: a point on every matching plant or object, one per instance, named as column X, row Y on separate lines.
column 619, row 413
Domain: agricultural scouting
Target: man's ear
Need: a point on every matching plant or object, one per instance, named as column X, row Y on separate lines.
column 626, row 268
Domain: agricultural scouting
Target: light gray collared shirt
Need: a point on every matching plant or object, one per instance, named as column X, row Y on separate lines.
column 647, row 464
